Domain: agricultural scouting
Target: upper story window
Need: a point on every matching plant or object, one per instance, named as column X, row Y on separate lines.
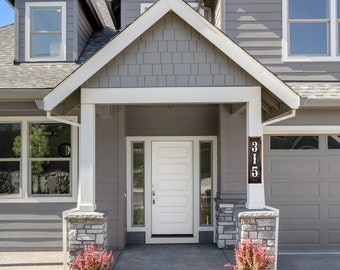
column 45, row 31
column 311, row 30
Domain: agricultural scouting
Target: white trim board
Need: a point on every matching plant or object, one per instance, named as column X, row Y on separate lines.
column 147, row 175
column 174, row 95
column 195, row 20
column 301, row 130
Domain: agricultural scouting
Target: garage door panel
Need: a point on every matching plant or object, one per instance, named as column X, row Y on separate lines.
column 302, row 212
column 305, row 186
column 333, row 237
column 300, row 237
column 283, row 191
column 333, row 212
column 288, row 166
column 333, row 190
column 333, row 168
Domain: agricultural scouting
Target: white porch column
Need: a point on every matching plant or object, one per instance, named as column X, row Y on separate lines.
column 86, row 196
column 255, row 191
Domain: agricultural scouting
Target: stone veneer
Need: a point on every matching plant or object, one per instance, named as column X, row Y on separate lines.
column 85, row 228
column 260, row 227
column 235, row 223
column 226, row 221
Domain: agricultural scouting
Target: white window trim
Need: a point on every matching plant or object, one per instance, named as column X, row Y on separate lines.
column 28, row 6
column 24, row 195
column 147, row 192
column 308, row 58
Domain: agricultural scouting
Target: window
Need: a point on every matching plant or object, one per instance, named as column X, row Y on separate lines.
column 333, row 142
column 206, row 188
column 37, row 160
column 310, row 30
column 294, row 142
column 45, row 31
column 138, row 184
column 9, row 159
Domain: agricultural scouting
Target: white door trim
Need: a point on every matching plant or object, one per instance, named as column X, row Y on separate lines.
column 148, row 198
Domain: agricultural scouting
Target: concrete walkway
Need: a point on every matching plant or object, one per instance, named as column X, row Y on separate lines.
column 47, row 260
column 178, row 257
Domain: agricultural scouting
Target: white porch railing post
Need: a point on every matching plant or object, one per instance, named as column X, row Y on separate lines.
column 255, row 191
column 86, row 195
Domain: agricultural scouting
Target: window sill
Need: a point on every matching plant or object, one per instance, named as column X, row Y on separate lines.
column 291, row 59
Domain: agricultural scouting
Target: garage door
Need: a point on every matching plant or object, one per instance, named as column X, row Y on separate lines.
column 302, row 179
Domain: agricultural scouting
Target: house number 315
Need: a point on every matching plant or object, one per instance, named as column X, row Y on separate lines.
column 254, row 160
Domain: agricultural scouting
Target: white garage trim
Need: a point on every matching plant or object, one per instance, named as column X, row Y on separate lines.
column 286, row 130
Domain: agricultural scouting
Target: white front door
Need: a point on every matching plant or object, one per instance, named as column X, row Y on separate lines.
column 172, row 188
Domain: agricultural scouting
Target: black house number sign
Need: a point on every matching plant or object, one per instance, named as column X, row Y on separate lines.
column 254, row 160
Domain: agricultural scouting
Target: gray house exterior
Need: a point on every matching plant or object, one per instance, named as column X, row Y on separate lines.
column 168, row 118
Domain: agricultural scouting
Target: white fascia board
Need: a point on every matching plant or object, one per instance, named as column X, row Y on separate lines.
column 171, row 95
column 236, row 53
column 301, row 130
column 89, row 68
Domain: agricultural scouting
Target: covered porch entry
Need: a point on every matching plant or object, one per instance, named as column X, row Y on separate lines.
column 185, row 126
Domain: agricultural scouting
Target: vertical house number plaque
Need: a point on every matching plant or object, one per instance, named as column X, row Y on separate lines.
column 254, row 160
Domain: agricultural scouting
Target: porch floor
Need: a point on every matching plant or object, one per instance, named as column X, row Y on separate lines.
column 177, row 256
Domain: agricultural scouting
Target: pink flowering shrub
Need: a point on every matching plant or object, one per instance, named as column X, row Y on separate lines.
column 92, row 260
column 251, row 257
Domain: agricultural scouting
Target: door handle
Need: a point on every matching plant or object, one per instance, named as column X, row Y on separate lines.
column 153, row 197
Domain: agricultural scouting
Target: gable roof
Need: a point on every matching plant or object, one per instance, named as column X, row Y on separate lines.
column 197, row 22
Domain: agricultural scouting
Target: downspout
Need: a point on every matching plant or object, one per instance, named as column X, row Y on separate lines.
column 286, row 116
column 49, row 116
column 276, row 232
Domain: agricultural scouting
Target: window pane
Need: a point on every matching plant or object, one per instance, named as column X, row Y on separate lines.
column 333, row 142
column 138, row 184
column 294, row 142
column 308, row 38
column 205, row 183
column 50, row 177
column 10, row 140
column 50, row 140
column 46, row 19
column 9, row 177
column 338, row 26
column 308, row 9
column 46, row 45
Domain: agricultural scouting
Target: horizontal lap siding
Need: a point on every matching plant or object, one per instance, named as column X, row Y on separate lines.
column 84, row 30
column 32, row 226
column 110, row 172
column 257, row 27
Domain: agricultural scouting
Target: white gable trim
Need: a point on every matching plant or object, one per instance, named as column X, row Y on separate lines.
column 142, row 24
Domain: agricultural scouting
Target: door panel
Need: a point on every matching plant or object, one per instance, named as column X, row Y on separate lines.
column 172, row 188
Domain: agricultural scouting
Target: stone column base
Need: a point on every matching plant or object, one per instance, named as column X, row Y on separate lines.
column 85, row 228
column 260, row 227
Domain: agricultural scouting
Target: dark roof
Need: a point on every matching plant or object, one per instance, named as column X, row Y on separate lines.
column 41, row 75
column 97, row 41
